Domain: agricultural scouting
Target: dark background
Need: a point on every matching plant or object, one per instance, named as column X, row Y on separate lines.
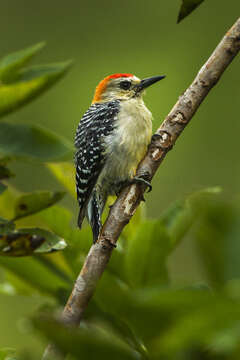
column 139, row 37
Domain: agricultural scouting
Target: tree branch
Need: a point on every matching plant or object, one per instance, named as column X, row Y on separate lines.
column 129, row 199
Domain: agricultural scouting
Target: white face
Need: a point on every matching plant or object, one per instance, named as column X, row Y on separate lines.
column 121, row 88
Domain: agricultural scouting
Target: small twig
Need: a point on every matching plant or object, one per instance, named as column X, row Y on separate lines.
column 129, row 199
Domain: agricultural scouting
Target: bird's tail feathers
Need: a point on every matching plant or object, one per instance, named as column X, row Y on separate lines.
column 81, row 216
column 95, row 208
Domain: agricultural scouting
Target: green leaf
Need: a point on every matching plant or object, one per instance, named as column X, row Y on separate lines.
column 84, row 342
column 31, row 83
column 52, row 241
column 174, row 320
column 187, row 7
column 220, row 256
column 32, row 203
column 178, row 219
column 181, row 215
column 145, row 260
column 95, row 315
column 211, row 324
column 12, row 63
column 25, row 242
column 32, row 142
column 151, row 311
column 57, row 266
column 19, row 285
column 65, row 174
column 37, row 275
column 112, row 298
column 58, row 219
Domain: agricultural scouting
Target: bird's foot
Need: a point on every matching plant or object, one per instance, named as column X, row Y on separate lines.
column 142, row 179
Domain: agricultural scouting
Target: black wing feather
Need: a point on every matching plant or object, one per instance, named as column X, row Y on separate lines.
column 96, row 124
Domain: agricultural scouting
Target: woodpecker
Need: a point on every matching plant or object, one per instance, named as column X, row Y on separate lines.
column 111, row 139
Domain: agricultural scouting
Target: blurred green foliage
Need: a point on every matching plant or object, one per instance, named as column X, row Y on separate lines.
column 137, row 312
column 22, row 140
column 19, row 84
column 32, row 142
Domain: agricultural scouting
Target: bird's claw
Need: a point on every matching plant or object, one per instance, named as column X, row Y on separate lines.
column 141, row 180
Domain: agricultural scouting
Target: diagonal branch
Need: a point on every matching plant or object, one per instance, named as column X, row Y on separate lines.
column 129, row 199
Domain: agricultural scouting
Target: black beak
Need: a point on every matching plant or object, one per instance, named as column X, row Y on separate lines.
column 147, row 82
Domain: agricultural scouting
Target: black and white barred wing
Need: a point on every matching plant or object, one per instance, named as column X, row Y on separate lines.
column 95, row 125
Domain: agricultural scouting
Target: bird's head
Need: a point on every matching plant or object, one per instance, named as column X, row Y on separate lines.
column 122, row 86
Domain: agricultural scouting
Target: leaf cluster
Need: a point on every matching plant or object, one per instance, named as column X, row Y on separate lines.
column 137, row 311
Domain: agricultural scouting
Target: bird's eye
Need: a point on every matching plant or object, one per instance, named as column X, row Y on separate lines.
column 125, row 85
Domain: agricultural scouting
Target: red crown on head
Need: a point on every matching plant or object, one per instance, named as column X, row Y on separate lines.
column 103, row 84
column 116, row 76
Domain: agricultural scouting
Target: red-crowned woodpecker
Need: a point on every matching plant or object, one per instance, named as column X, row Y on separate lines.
column 111, row 139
